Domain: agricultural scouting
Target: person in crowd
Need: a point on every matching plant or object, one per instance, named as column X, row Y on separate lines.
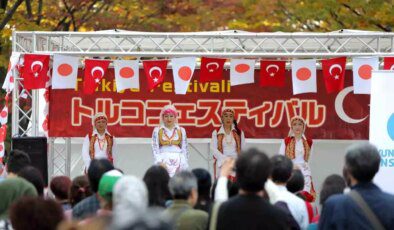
column 249, row 210
column 156, row 179
column 299, row 149
column 99, row 143
column 130, row 201
column 346, row 211
column 183, row 188
column 12, row 189
column 17, row 160
column 79, row 190
column 169, row 142
column 333, row 184
column 35, row 213
column 204, row 183
column 282, row 168
column 295, row 186
column 105, row 191
column 89, row 206
column 296, row 182
column 34, row 176
column 227, row 142
column 60, row 187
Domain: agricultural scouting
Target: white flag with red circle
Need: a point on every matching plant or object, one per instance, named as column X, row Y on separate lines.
column 241, row 71
column 8, row 84
column 126, row 74
column 2, row 148
column 362, row 72
column 65, row 72
column 4, row 115
column 182, row 70
column 303, row 73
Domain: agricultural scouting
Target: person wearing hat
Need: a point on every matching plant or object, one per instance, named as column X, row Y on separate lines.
column 227, row 142
column 100, row 143
column 169, row 142
column 106, row 189
column 299, row 149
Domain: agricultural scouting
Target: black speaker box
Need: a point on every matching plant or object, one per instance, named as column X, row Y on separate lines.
column 37, row 149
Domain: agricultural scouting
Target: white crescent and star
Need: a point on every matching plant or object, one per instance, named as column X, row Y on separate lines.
column 333, row 67
column 392, row 67
column 155, row 68
column 212, row 64
column 34, row 63
column 97, row 68
column 272, row 66
column 339, row 107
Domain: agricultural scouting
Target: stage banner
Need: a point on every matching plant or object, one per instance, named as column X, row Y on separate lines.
column 262, row 112
column 382, row 126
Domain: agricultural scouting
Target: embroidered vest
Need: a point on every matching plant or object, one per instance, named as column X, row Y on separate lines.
column 110, row 142
column 170, row 142
column 237, row 139
column 290, row 147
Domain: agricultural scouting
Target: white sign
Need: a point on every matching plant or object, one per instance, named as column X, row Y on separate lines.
column 381, row 126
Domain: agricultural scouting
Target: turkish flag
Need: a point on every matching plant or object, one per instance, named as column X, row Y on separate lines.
column 155, row 71
column 272, row 73
column 35, row 71
column 94, row 71
column 3, row 133
column 211, row 69
column 388, row 63
column 334, row 73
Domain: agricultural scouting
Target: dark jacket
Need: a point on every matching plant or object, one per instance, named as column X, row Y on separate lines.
column 341, row 212
column 250, row 212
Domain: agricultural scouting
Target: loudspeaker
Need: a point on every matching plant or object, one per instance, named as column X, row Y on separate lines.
column 36, row 148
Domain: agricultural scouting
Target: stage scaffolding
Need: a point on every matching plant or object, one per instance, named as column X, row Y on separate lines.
column 229, row 44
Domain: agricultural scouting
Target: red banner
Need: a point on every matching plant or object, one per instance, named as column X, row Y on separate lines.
column 262, row 112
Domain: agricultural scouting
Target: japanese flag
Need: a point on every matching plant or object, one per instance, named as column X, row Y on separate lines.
column 4, row 115
column 241, row 71
column 65, row 72
column 126, row 74
column 303, row 73
column 182, row 70
column 8, row 84
column 362, row 70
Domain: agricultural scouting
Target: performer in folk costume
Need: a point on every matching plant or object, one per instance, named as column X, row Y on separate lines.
column 227, row 142
column 99, row 143
column 299, row 149
column 169, row 142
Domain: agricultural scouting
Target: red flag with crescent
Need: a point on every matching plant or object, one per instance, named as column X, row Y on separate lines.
column 211, row 69
column 272, row 73
column 155, row 71
column 35, row 71
column 388, row 63
column 334, row 73
column 94, row 71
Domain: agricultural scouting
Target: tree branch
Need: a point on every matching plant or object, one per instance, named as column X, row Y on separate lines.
column 28, row 9
column 9, row 14
column 39, row 12
column 3, row 4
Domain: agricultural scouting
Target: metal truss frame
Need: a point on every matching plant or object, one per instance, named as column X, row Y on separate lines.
column 119, row 44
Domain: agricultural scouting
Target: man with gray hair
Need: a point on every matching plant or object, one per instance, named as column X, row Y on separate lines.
column 184, row 191
column 366, row 206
